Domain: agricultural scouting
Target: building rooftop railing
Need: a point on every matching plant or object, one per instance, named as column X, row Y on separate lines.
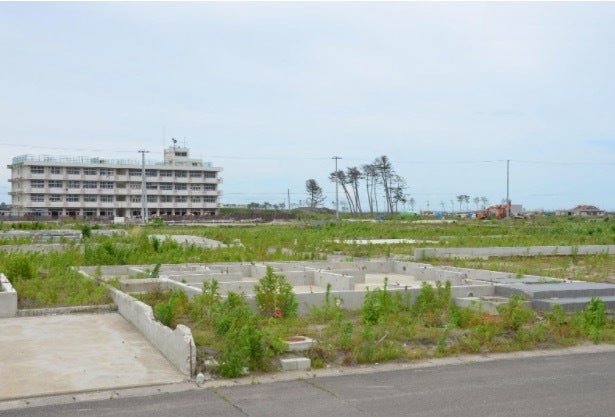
column 20, row 159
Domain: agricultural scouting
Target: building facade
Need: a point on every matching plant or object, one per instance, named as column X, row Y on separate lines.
column 96, row 187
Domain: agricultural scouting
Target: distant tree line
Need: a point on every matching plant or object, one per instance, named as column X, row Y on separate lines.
column 377, row 177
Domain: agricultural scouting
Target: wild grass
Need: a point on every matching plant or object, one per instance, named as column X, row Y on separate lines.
column 309, row 240
column 390, row 326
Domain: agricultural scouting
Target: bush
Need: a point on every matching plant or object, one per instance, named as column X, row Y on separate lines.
column 275, row 296
column 203, row 306
column 594, row 316
column 515, row 314
column 167, row 312
column 434, row 305
column 244, row 343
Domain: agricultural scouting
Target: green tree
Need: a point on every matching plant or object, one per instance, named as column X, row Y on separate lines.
column 315, row 194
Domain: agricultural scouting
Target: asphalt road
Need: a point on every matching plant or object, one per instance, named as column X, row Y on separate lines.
column 548, row 385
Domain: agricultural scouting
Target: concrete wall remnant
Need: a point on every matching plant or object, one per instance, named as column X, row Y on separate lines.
column 8, row 298
column 176, row 345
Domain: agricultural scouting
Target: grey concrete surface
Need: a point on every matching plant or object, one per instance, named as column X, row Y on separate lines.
column 75, row 353
column 577, row 381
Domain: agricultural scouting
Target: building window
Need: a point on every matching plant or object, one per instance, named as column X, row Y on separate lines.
column 37, row 169
column 195, row 187
column 106, row 198
column 56, row 170
column 90, row 171
column 90, row 185
column 180, row 199
column 38, row 184
column 73, row 170
column 90, row 198
column 181, row 173
column 195, row 199
column 166, row 186
column 106, row 172
column 152, row 186
column 151, row 173
column 55, row 198
column 135, row 199
column 209, row 174
column 106, row 185
column 72, row 198
column 166, row 199
column 37, row 198
column 166, row 173
column 210, row 199
column 134, row 172
column 135, row 186
column 72, row 184
column 152, row 199
column 56, row 184
column 181, row 186
column 210, row 187
column 196, row 174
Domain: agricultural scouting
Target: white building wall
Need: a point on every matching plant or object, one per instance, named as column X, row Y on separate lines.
column 84, row 186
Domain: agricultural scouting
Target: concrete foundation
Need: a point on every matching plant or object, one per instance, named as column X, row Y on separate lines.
column 425, row 253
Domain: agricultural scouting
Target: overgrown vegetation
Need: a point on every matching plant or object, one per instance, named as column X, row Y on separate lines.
column 391, row 325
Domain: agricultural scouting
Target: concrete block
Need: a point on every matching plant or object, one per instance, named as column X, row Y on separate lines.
column 299, row 343
column 296, row 363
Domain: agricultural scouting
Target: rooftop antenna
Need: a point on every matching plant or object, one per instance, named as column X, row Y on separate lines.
column 174, row 143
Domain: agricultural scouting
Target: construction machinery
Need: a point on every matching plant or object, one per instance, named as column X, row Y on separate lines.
column 495, row 211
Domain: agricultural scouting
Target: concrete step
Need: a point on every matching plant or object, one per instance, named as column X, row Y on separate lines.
column 571, row 304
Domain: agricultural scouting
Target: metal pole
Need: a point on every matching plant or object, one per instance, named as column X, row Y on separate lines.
column 288, row 191
column 143, row 188
column 337, row 200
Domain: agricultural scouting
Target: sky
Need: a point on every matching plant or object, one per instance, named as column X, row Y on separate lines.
column 271, row 91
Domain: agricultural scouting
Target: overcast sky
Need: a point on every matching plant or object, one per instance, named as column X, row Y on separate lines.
column 271, row 91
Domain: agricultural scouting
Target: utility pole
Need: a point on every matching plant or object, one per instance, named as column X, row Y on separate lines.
column 143, row 188
column 507, row 189
column 288, row 191
column 337, row 200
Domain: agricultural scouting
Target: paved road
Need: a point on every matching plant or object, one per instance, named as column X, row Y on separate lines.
column 580, row 384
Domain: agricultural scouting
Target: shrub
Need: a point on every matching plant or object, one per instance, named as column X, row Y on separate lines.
column 515, row 314
column 156, row 271
column 19, row 266
column 594, row 316
column 379, row 303
column 203, row 306
column 434, row 305
column 275, row 296
column 167, row 312
column 345, row 341
column 244, row 343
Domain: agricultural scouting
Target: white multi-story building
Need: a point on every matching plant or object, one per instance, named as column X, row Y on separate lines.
column 88, row 187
